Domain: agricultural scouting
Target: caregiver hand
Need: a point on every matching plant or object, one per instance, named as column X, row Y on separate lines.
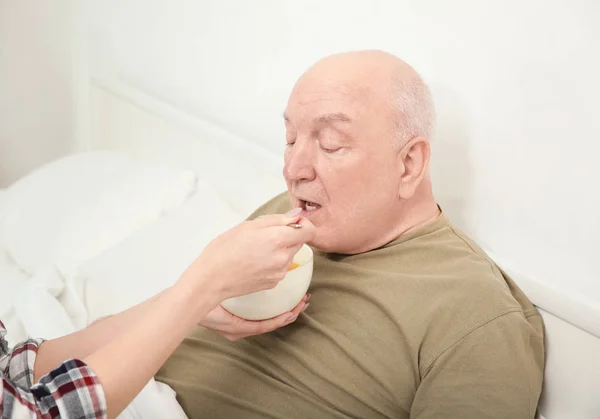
column 254, row 255
column 234, row 328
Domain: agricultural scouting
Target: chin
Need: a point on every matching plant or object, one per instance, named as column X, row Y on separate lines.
column 323, row 245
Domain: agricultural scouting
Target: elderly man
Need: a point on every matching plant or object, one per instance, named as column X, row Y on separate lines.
column 408, row 317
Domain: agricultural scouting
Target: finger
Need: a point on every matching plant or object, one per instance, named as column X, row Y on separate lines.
column 273, row 220
column 307, row 232
column 270, row 325
column 251, row 328
column 301, row 306
column 292, row 315
column 292, row 237
column 231, row 337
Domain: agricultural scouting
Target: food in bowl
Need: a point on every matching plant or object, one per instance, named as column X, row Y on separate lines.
column 285, row 296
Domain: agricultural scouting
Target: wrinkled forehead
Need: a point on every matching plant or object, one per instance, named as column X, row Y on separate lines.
column 310, row 100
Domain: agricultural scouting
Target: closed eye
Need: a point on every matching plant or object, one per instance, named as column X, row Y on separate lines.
column 330, row 150
column 329, row 140
column 290, row 139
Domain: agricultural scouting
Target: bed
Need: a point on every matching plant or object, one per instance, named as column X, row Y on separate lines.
column 182, row 180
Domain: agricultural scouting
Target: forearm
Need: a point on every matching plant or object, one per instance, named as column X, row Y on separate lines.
column 127, row 363
column 83, row 343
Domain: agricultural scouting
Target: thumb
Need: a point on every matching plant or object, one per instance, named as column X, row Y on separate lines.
column 275, row 220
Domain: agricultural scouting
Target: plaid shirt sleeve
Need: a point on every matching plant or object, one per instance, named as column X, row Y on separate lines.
column 70, row 391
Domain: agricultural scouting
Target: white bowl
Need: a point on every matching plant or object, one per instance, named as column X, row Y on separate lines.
column 285, row 296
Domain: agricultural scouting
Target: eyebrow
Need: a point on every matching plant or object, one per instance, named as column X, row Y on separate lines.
column 331, row 117
column 326, row 118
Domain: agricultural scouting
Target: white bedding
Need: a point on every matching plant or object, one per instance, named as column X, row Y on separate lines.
column 71, row 209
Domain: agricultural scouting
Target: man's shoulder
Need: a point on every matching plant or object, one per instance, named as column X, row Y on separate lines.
column 462, row 290
column 277, row 205
column 471, row 278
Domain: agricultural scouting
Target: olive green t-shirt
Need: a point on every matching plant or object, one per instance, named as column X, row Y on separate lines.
column 425, row 327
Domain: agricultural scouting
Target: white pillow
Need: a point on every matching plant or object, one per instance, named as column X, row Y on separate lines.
column 72, row 209
column 153, row 258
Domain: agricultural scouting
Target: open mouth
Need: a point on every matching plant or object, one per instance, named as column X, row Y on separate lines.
column 309, row 206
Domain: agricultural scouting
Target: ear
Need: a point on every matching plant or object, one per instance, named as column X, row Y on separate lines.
column 413, row 161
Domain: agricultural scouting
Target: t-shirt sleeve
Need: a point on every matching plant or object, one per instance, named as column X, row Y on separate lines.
column 495, row 371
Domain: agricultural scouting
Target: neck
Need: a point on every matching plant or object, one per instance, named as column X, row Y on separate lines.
column 412, row 214
column 416, row 212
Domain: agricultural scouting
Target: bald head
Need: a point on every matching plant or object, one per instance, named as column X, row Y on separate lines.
column 381, row 80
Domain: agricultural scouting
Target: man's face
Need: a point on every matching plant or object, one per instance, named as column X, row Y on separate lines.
column 340, row 165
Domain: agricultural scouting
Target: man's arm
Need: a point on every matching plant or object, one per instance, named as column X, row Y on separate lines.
column 496, row 372
column 83, row 343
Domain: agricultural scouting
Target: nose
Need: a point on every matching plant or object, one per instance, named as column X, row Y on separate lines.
column 299, row 162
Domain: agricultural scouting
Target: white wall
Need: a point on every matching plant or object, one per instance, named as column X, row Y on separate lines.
column 42, row 83
column 516, row 85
